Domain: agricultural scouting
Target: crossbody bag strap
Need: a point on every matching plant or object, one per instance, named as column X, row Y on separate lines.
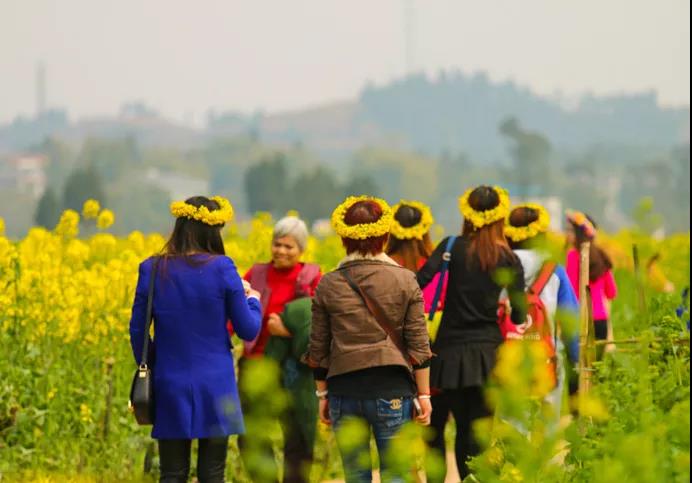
column 446, row 258
column 376, row 312
column 150, row 312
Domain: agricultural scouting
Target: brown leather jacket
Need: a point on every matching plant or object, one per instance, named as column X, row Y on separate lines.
column 345, row 337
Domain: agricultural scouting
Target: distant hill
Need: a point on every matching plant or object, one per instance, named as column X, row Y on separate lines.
column 453, row 113
column 462, row 113
column 458, row 113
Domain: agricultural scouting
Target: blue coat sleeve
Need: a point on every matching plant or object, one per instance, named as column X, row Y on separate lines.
column 245, row 314
column 568, row 306
column 139, row 311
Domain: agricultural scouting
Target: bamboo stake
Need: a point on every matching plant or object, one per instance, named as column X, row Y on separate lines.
column 585, row 323
column 641, row 296
column 109, row 397
column 682, row 340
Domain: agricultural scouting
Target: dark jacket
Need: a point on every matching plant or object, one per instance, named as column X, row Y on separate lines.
column 345, row 337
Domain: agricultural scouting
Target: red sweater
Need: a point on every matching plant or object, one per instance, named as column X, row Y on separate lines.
column 283, row 290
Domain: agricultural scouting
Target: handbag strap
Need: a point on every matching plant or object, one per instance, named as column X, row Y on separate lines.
column 381, row 319
column 150, row 313
column 446, row 258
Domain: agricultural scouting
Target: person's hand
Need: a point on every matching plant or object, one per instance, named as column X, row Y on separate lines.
column 247, row 287
column 276, row 326
column 522, row 328
column 252, row 293
column 324, row 412
column 426, row 407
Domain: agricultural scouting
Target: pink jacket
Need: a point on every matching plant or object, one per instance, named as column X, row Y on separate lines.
column 602, row 290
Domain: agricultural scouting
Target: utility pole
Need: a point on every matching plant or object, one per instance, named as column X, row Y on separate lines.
column 40, row 88
column 410, row 35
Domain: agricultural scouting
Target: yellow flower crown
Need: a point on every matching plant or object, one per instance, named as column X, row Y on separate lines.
column 224, row 214
column 366, row 230
column 519, row 234
column 416, row 232
column 479, row 219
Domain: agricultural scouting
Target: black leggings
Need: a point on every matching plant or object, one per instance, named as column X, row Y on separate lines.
column 175, row 460
column 600, row 328
column 467, row 405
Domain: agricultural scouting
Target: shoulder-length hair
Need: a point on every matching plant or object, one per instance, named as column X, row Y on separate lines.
column 410, row 252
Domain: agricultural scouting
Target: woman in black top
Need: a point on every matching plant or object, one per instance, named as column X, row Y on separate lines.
column 482, row 265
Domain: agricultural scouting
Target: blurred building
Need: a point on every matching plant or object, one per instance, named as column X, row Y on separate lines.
column 24, row 173
column 178, row 186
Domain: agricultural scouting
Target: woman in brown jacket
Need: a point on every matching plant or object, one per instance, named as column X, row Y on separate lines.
column 369, row 342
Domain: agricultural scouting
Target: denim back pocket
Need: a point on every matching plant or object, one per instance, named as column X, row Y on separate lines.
column 391, row 411
column 334, row 409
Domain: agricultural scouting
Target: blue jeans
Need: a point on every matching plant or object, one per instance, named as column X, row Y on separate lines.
column 383, row 417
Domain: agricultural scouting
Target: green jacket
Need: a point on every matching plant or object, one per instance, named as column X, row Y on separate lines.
column 297, row 378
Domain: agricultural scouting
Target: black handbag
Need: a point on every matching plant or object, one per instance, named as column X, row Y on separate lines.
column 142, row 391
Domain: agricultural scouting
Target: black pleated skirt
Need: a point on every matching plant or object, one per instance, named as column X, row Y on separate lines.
column 463, row 365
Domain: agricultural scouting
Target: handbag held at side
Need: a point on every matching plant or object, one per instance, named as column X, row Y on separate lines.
column 142, row 391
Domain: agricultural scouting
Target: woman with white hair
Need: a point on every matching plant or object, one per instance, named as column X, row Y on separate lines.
column 281, row 281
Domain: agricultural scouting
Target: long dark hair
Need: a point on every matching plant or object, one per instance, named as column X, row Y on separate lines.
column 599, row 261
column 194, row 237
column 410, row 252
column 488, row 245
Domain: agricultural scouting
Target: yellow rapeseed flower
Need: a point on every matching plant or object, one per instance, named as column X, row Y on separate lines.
column 2, row 227
column 105, row 219
column 91, row 209
column 85, row 413
column 68, row 226
column 592, row 407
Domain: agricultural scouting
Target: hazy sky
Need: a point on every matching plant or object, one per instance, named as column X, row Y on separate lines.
column 187, row 56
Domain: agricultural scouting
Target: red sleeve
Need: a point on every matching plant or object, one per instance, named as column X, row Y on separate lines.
column 315, row 283
column 610, row 287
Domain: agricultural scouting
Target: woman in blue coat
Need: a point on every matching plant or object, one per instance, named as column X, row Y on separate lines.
column 196, row 290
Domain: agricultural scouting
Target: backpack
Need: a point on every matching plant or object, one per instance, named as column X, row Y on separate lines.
column 537, row 327
column 444, row 267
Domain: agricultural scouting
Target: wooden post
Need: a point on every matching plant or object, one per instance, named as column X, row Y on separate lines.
column 584, row 322
column 109, row 397
column 641, row 297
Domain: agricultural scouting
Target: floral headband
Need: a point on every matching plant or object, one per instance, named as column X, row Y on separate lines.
column 418, row 231
column 479, row 219
column 362, row 231
column 224, row 214
column 580, row 220
column 519, row 234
